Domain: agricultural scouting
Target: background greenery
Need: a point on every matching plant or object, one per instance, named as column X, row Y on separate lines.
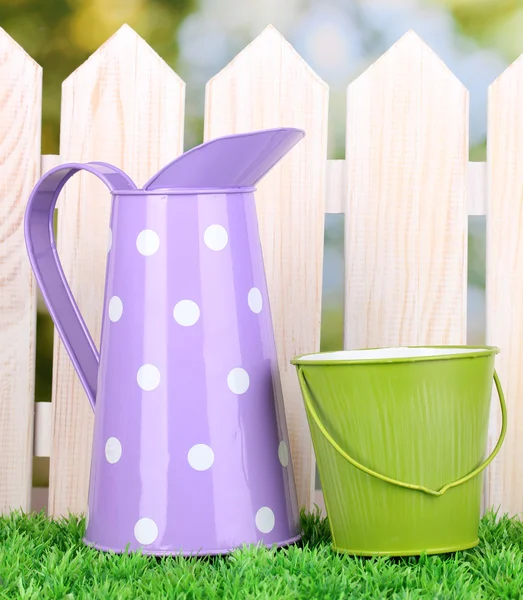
column 477, row 39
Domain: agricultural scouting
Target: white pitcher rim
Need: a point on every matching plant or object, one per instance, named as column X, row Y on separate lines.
column 394, row 354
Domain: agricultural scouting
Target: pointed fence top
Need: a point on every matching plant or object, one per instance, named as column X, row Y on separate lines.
column 513, row 72
column 127, row 43
column 269, row 45
column 9, row 44
column 409, row 48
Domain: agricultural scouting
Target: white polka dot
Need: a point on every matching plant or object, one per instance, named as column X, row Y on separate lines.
column 283, row 453
column 200, row 457
column 148, row 377
column 238, row 381
column 255, row 300
column 115, row 308
column 110, row 240
column 215, row 237
column 113, row 450
column 265, row 519
column 147, row 242
column 146, row 531
column 186, row 313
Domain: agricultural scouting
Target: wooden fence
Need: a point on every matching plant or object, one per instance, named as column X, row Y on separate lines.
column 406, row 188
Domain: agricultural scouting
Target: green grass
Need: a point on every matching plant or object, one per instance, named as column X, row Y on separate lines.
column 41, row 559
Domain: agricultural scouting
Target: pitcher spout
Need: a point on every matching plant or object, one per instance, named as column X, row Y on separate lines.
column 232, row 161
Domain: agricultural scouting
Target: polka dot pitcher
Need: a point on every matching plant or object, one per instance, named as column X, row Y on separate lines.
column 190, row 449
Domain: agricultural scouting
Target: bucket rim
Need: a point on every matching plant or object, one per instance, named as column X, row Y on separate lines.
column 462, row 351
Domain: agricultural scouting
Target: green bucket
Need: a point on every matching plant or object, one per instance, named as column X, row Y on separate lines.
column 400, row 437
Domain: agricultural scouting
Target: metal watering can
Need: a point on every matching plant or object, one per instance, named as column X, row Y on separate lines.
column 190, row 449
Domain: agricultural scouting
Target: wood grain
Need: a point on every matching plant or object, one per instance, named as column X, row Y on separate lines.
column 20, row 127
column 504, row 294
column 43, row 424
column 477, row 197
column 406, row 224
column 269, row 85
column 125, row 106
column 49, row 161
column 336, row 196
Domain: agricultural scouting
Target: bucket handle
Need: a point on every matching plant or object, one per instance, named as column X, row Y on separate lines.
column 410, row 486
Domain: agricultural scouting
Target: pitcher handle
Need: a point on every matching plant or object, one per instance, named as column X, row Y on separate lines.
column 411, row 486
column 43, row 256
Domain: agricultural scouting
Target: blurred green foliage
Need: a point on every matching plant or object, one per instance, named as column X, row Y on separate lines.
column 61, row 34
column 492, row 23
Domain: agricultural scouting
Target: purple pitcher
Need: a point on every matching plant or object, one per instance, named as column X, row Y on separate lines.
column 190, row 449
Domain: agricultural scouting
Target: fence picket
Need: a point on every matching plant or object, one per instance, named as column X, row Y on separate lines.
column 504, row 293
column 125, row 106
column 406, row 224
column 477, row 186
column 20, row 126
column 335, row 200
column 269, row 85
